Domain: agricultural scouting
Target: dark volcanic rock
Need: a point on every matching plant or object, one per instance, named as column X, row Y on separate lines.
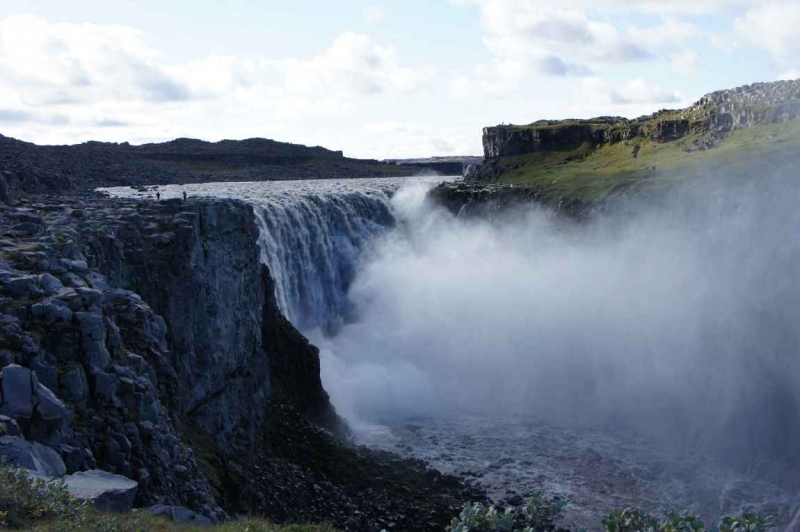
column 148, row 344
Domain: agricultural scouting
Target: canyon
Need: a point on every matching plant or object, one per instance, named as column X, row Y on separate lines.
column 602, row 311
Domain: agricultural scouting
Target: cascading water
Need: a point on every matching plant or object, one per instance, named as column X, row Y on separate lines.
column 523, row 351
column 313, row 245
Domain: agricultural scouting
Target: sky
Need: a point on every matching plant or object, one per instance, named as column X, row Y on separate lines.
column 374, row 78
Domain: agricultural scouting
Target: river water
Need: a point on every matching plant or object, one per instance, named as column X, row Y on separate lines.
column 614, row 365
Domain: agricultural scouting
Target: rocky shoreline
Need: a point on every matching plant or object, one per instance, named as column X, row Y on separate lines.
column 157, row 353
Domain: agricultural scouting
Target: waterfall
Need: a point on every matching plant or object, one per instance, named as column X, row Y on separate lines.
column 312, row 245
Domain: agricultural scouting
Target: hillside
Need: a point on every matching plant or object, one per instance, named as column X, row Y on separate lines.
column 732, row 132
column 28, row 168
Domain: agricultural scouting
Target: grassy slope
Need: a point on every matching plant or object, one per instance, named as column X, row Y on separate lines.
column 612, row 169
column 135, row 522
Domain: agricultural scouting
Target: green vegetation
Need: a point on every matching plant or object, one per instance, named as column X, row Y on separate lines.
column 643, row 165
column 133, row 522
column 630, row 520
column 35, row 505
column 541, row 514
column 538, row 514
column 38, row 506
column 24, row 500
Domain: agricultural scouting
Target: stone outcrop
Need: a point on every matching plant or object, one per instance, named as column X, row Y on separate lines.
column 105, row 491
column 469, row 200
column 40, row 460
column 198, row 265
column 714, row 115
column 87, row 369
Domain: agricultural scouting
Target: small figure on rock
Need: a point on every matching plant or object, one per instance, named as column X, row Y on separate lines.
column 184, row 195
column 158, row 196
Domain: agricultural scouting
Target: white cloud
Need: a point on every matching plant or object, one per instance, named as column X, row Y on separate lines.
column 685, row 61
column 771, row 27
column 410, row 139
column 45, row 64
column 789, row 75
column 373, row 14
column 104, row 81
column 553, row 40
column 577, row 38
column 637, row 91
column 352, row 65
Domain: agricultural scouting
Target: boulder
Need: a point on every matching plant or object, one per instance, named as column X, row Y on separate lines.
column 16, row 384
column 23, row 287
column 52, row 311
column 50, row 285
column 106, row 491
column 36, row 458
column 178, row 514
column 49, row 407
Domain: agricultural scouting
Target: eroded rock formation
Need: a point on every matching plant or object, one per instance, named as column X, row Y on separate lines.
column 715, row 114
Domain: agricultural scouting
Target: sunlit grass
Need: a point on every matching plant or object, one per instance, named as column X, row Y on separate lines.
column 613, row 169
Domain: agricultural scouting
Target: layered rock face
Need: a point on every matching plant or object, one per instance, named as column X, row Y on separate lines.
column 195, row 265
column 87, row 370
column 716, row 114
column 143, row 339
column 105, row 379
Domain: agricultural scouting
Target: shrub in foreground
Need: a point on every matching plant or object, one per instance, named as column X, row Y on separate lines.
column 538, row 514
column 25, row 500
column 541, row 514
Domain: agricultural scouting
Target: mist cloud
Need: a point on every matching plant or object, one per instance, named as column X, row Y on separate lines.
column 679, row 321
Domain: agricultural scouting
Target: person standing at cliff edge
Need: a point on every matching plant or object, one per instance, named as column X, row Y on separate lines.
column 158, row 196
column 184, row 196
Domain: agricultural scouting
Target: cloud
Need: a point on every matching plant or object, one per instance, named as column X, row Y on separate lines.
column 553, row 40
column 772, row 28
column 44, row 63
column 684, row 62
column 577, row 38
column 789, row 75
column 107, row 122
column 637, row 91
column 10, row 115
column 80, row 74
column 373, row 14
column 353, row 65
column 413, row 139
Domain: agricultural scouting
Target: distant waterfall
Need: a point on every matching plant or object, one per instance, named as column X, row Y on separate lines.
column 312, row 244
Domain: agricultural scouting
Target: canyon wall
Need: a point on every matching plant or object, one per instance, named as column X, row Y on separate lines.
column 715, row 114
column 122, row 377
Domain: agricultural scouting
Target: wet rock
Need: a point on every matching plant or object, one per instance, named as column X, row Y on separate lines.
column 106, row 491
column 36, row 458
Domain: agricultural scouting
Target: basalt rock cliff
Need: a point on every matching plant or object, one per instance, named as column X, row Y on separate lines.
column 143, row 339
column 714, row 115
